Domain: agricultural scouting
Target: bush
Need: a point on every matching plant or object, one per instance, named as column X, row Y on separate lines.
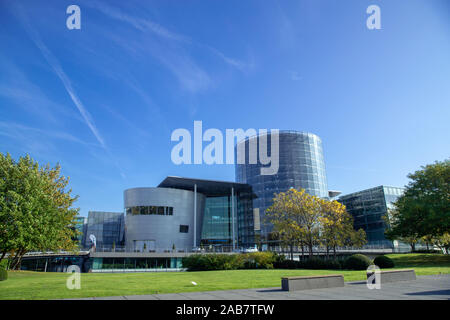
column 311, row 263
column 427, row 251
column 357, row 262
column 282, row 263
column 383, row 262
column 204, row 262
column 3, row 272
column 259, row 260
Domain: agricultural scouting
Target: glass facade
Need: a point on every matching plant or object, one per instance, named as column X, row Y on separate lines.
column 146, row 210
column 136, row 263
column 52, row 264
column 218, row 220
column 86, row 264
column 301, row 166
column 80, row 226
column 368, row 208
column 107, row 227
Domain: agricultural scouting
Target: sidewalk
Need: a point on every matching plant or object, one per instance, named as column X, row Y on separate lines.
column 434, row 287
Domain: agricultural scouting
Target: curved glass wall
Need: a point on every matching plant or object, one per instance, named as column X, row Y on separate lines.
column 301, row 166
column 149, row 210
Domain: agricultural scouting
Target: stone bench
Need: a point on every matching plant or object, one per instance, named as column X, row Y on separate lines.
column 394, row 275
column 312, row 282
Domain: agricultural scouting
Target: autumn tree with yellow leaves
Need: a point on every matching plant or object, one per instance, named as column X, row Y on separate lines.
column 295, row 218
column 299, row 218
column 337, row 227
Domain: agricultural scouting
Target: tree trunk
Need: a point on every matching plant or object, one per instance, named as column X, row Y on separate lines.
column 292, row 251
column 12, row 260
column 334, row 251
column 413, row 247
column 15, row 264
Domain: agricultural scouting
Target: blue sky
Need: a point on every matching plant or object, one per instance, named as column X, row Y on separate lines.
column 103, row 101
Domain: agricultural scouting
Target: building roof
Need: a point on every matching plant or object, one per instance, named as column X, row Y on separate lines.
column 382, row 187
column 206, row 187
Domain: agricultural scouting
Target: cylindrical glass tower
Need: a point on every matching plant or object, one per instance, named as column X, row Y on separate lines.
column 301, row 166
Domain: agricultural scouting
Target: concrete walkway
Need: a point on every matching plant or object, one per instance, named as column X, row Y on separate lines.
column 435, row 287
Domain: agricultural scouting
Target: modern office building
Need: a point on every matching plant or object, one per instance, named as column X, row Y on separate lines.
column 224, row 211
column 178, row 215
column 368, row 207
column 301, row 166
column 162, row 218
column 107, row 228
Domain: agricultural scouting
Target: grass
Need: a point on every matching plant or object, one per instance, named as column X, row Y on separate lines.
column 38, row 285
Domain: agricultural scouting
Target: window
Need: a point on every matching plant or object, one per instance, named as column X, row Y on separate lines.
column 150, row 210
column 184, row 228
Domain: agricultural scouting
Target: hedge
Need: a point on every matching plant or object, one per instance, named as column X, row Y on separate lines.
column 311, row 263
column 3, row 272
column 270, row 260
column 204, row 262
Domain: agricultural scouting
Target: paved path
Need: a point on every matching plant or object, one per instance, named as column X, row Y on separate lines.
column 424, row 288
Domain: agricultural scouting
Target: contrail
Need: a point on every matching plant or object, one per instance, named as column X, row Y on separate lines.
column 55, row 65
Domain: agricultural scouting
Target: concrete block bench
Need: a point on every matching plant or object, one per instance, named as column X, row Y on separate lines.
column 394, row 275
column 312, row 282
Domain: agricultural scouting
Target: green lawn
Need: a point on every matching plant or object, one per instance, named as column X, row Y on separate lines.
column 38, row 285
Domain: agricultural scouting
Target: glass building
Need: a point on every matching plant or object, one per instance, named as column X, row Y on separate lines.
column 301, row 166
column 227, row 213
column 368, row 208
column 80, row 226
column 107, row 227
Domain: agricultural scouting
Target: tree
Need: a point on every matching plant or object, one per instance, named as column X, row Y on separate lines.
column 424, row 208
column 337, row 227
column 358, row 238
column 36, row 211
column 443, row 242
column 295, row 217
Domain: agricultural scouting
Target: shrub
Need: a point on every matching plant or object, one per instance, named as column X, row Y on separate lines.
column 259, row 260
column 357, row 262
column 203, row 262
column 287, row 264
column 311, row 263
column 3, row 272
column 383, row 262
column 427, row 251
column 320, row 264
